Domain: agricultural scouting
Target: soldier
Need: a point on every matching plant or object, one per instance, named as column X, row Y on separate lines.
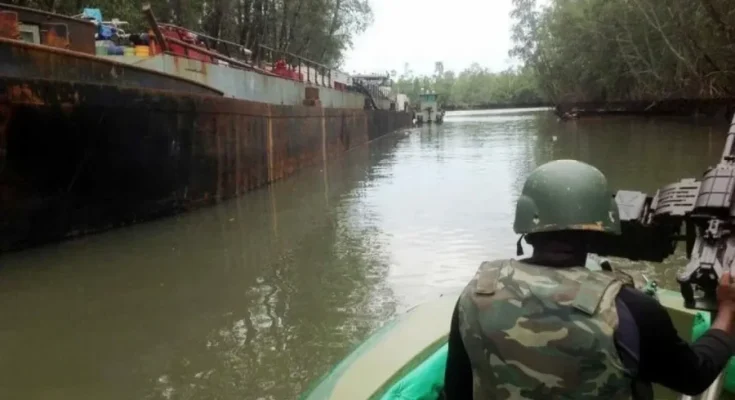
column 546, row 327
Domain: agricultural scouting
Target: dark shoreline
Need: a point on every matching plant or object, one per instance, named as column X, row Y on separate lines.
column 707, row 108
column 492, row 106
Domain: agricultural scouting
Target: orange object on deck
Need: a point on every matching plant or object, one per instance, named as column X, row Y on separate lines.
column 9, row 25
column 57, row 35
column 282, row 69
column 155, row 48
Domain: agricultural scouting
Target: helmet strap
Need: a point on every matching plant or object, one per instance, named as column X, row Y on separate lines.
column 519, row 248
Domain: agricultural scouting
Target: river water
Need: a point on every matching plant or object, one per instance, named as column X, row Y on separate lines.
column 258, row 297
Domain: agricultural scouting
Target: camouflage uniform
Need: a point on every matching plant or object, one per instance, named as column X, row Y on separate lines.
column 542, row 333
column 535, row 332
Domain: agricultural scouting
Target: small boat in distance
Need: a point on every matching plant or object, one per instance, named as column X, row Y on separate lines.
column 429, row 110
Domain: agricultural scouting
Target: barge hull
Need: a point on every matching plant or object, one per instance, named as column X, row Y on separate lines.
column 78, row 158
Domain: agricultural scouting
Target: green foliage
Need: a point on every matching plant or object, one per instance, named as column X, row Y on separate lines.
column 474, row 87
column 320, row 30
column 608, row 50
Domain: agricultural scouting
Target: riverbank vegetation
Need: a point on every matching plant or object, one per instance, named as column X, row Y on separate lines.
column 320, row 30
column 475, row 87
column 573, row 51
column 568, row 50
column 627, row 50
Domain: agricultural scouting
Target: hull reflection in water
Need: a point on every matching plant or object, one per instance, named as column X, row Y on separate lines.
column 243, row 300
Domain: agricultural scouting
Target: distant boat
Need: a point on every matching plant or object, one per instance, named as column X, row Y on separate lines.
column 429, row 110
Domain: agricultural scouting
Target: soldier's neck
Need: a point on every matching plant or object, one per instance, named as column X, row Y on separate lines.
column 559, row 258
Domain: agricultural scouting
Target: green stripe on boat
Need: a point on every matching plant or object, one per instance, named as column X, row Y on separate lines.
column 425, row 382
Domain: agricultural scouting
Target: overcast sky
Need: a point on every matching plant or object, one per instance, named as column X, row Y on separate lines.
column 421, row 32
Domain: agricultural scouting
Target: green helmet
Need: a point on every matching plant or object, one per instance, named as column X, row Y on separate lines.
column 566, row 195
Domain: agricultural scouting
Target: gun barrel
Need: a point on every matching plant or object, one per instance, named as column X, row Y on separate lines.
column 728, row 150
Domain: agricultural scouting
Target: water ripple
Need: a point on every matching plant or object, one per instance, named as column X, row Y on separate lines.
column 255, row 298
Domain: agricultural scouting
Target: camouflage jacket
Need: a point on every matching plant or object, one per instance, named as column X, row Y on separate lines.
column 534, row 332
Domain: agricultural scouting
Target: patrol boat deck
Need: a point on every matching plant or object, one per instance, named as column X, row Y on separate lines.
column 373, row 369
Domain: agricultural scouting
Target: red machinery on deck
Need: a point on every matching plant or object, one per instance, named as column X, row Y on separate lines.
column 186, row 36
column 286, row 71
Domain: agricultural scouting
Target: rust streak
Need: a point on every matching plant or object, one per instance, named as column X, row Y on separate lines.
column 324, row 139
column 24, row 94
column 238, row 162
column 270, row 144
column 220, row 159
column 9, row 25
column 67, row 107
column 324, row 156
column 274, row 210
column 4, row 122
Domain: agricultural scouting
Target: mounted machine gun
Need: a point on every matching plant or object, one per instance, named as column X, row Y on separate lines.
column 700, row 212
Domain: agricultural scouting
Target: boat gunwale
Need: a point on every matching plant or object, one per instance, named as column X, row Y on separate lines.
column 671, row 300
column 411, row 365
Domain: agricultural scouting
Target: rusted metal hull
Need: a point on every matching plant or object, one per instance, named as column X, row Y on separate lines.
column 78, row 158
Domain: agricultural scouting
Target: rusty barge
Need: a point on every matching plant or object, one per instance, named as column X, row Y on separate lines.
column 90, row 142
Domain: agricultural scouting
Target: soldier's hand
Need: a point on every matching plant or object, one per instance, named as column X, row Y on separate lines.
column 725, row 304
column 726, row 293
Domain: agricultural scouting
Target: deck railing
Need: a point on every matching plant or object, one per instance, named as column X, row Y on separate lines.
column 227, row 48
column 266, row 58
column 312, row 71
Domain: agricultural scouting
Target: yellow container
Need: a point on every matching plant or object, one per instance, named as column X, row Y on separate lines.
column 129, row 51
column 142, row 51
